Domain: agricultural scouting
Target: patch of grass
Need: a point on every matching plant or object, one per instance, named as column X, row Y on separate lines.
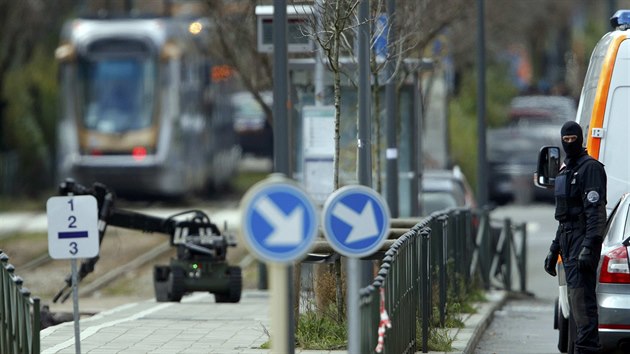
column 26, row 236
column 439, row 339
column 321, row 331
column 23, row 204
column 453, row 318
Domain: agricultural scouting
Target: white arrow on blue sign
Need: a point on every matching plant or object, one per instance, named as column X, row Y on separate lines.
column 356, row 221
column 279, row 221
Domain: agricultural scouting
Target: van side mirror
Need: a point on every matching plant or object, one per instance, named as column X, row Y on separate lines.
column 548, row 166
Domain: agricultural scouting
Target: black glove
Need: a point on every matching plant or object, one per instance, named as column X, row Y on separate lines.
column 550, row 263
column 586, row 259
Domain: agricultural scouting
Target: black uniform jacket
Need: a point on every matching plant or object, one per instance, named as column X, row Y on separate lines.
column 584, row 215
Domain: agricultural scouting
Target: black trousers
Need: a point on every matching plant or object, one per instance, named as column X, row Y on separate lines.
column 583, row 302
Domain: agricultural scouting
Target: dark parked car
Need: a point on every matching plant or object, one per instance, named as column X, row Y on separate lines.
column 613, row 287
column 533, row 122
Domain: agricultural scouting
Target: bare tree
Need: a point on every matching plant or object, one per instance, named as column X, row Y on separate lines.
column 332, row 29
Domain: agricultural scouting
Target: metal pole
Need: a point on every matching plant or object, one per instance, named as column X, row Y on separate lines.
column 75, row 302
column 482, row 183
column 75, row 305
column 364, row 144
column 365, row 122
column 280, row 89
column 414, row 150
column 281, row 339
column 392, row 114
column 352, row 298
column 281, row 152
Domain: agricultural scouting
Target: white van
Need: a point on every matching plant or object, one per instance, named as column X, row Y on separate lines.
column 603, row 108
column 603, row 114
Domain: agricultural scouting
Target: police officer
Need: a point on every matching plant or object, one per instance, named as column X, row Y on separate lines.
column 580, row 194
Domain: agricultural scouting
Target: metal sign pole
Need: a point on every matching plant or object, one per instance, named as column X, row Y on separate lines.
column 75, row 302
column 354, row 318
column 75, row 305
column 280, row 309
column 281, row 154
column 367, row 213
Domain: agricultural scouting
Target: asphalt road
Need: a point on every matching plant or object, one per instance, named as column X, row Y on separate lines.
column 525, row 323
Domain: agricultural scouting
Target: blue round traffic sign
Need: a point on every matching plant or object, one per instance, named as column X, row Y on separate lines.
column 355, row 221
column 278, row 221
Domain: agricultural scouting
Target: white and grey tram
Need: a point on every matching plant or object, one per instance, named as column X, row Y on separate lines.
column 140, row 111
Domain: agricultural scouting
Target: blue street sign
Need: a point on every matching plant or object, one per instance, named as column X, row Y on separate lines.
column 356, row 221
column 279, row 221
column 381, row 31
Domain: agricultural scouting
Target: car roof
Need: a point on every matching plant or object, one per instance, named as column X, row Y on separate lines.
column 442, row 181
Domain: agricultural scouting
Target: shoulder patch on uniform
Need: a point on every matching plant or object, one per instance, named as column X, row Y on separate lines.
column 592, row 196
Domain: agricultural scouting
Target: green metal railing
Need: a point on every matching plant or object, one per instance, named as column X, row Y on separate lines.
column 442, row 257
column 19, row 315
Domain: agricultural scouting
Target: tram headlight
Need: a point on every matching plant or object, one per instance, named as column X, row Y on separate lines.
column 65, row 53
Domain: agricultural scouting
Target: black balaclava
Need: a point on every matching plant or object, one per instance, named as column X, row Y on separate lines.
column 575, row 148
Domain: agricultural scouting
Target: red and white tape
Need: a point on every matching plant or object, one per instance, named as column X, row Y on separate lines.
column 383, row 324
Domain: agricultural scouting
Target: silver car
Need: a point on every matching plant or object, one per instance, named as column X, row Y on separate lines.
column 613, row 281
column 613, row 288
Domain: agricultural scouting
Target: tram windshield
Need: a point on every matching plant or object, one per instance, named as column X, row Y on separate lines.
column 118, row 93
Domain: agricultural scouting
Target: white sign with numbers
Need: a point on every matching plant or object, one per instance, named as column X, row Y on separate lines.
column 72, row 227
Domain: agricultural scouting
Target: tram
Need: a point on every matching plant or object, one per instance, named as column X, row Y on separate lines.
column 140, row 111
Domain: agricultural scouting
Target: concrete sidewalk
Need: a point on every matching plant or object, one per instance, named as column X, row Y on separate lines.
column 199, row 325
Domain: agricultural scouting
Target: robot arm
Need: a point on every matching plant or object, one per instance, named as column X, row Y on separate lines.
column 195, row 234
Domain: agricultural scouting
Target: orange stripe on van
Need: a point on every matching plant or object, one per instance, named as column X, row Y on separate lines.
column 601, row 97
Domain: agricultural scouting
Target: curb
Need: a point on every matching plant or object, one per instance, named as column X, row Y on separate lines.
column 467, row 338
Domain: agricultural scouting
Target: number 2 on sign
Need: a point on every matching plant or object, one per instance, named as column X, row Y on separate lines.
column 72, row 219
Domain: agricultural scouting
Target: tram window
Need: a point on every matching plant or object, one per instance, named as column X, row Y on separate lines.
column 119, row 93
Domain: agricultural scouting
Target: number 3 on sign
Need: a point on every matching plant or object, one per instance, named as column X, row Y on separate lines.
column 72, row 227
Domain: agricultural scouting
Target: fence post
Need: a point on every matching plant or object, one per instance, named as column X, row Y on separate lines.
column 523, row 257
column 440, row 238
column 425, row 260
column 469, row 245
column 485, row 246
column 415, row 286
column 4, row 297
column 507, row 254
column 454, row 251
column 368, row 325
column 37, row 326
